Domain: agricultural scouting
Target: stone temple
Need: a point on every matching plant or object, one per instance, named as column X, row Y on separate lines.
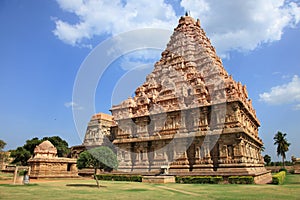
column 189, row 115
column 46, row 164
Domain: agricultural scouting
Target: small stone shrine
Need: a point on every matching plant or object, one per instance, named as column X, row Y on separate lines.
column 46, row 164
column 189, row 115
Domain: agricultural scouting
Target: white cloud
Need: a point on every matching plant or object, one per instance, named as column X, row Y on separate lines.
column 231, row 24
column 243, row 25
column 97, row 17
column 284, row 94
column 73, row 105
column 295, row 12
column 297, row 107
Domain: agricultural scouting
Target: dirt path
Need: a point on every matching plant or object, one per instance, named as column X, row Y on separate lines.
column 6, row 181
column 176, row 190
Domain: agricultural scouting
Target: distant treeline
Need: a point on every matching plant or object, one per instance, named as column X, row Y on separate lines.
column 287, row 163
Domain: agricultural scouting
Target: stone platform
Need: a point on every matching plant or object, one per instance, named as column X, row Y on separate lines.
column 260, row 174
column 158, row 179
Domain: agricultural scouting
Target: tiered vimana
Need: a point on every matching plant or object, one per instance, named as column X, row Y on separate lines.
column 189, row 115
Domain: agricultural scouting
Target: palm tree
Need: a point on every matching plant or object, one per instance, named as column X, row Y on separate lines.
column 282, row 145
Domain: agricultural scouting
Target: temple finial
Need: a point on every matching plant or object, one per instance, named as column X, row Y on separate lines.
column 186, row 13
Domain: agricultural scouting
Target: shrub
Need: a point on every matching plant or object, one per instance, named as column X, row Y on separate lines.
column 216, row 180
column 198, row 179
column 22, row 172
column 283, row 169
column 278, row 178
column 114, row 177
column 241, row 180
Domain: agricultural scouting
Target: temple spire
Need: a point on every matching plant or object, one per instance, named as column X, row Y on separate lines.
column 187, row 13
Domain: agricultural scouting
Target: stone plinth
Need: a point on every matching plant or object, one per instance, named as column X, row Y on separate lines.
column 53, row 168
column 158, row 179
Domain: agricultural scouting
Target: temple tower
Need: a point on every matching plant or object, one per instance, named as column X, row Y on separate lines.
column 189, row 114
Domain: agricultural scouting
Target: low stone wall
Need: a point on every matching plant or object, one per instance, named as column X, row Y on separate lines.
column 263, row 178
column 9, row 169
column 275, row 169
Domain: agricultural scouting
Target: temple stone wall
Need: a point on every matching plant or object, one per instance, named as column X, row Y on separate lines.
column 5, row 159
column 228, row 151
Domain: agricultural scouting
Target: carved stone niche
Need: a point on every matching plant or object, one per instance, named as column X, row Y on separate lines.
column 141, row 125
column 223, row 151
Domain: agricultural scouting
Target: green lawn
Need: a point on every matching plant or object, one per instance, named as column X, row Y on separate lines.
column 84, row 189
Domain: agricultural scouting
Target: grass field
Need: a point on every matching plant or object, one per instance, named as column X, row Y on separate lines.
column 85, row 189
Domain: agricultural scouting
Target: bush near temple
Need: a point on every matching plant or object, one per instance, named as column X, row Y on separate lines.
column 283, row 169
column 199, row 179
column 114, row 177
column 278, row 178
column 241, row 180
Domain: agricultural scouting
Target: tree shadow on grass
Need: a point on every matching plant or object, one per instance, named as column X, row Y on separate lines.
column 137, row 190
column 84, row 185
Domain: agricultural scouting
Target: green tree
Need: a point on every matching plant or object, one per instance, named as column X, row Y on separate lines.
column 31, row 144
column 282, row 145
column 267, row 159
column 102, row 158
column 22, row 154
column 2, row 145
column 60, row 144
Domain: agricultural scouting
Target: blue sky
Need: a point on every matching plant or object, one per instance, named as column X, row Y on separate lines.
column 44, row 44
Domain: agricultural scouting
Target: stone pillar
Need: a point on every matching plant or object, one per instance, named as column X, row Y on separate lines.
column 182, row 117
